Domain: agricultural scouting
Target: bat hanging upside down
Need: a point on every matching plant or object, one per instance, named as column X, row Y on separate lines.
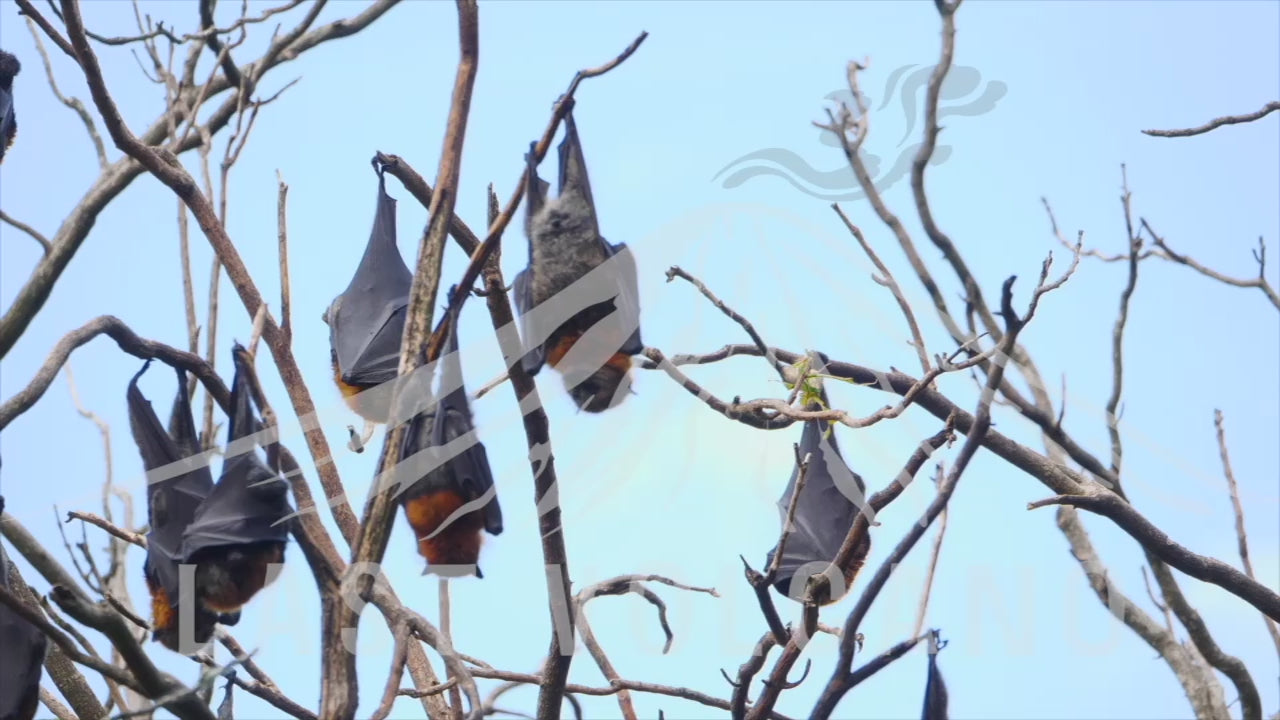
column 240, row 530
column 590, row 331
column 450, row 506
column 22, row 652
column 171, row 505
column 366, row 322
column 824, row 514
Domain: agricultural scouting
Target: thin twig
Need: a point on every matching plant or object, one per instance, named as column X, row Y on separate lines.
column 1242, row 538
column 73, row 103
column 1218, row 122
column 1259, row 255
column 933, row 567
column 35, row 234
column 886, row 279
column 282, row 236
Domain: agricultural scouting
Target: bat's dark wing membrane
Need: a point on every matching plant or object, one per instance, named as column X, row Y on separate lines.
column 935, row 692
column 249, row 499
column 574, row 179
column 366, row 322
column 573, row 168
column 824, row 514
column 22, row 648
column 535, row 197
column 627, row 303
column 535, row 194
column 470, row 468
column 182, row 424
column 466, row 473
column 172, row 501
column 522, row 288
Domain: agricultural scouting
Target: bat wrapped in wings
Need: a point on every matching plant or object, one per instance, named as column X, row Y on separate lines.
column 824, row 514
column 173, row 495
column 22, row 648
column 449, row 505
column 366, row 322
column 935, row 690
column 588, row 333
column 9, row 69
column 240, row 529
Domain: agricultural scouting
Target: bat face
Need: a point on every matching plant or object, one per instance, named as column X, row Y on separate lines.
column 366, row 322
column 171, row 506
column 449, row 505
column 824, row 514
column 239, row 530
column 565, row 248
column 9, row 69
column 21, row 660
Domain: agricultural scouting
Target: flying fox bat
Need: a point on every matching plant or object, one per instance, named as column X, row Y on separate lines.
column 237, row 532
column 22, row 648
column 935, row 690
column 450, row 505
column 366, row 322
column 9, row 69
column 564, row 245
column 824, row 514
column 171, row 506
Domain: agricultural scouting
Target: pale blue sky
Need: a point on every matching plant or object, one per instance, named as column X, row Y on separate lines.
column 662, row 484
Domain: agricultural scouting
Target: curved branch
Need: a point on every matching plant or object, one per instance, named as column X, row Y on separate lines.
column 1216, row 123
column 129, row 342
column 1152, row 538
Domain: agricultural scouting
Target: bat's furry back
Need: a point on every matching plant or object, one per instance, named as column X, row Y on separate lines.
column 564, row 247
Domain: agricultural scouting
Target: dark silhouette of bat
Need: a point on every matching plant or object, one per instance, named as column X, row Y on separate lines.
column 564, row 245
column 824, row 514
column 9, row 69
column 22, row 648
column 171, row 506
column 240, row 528
column 366, row 322
column 935, row 690
column 451, row 504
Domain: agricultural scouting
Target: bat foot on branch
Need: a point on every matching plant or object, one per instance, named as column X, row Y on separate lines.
column 486, row 293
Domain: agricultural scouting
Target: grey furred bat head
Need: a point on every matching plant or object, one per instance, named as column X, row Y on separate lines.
column 608, row 387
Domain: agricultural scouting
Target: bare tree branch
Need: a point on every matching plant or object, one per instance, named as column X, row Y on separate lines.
column 886, row 279
column 1259, row 255
column 1218, row 122
column 35, row 234
column 1242, row 538
column 73, row 103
